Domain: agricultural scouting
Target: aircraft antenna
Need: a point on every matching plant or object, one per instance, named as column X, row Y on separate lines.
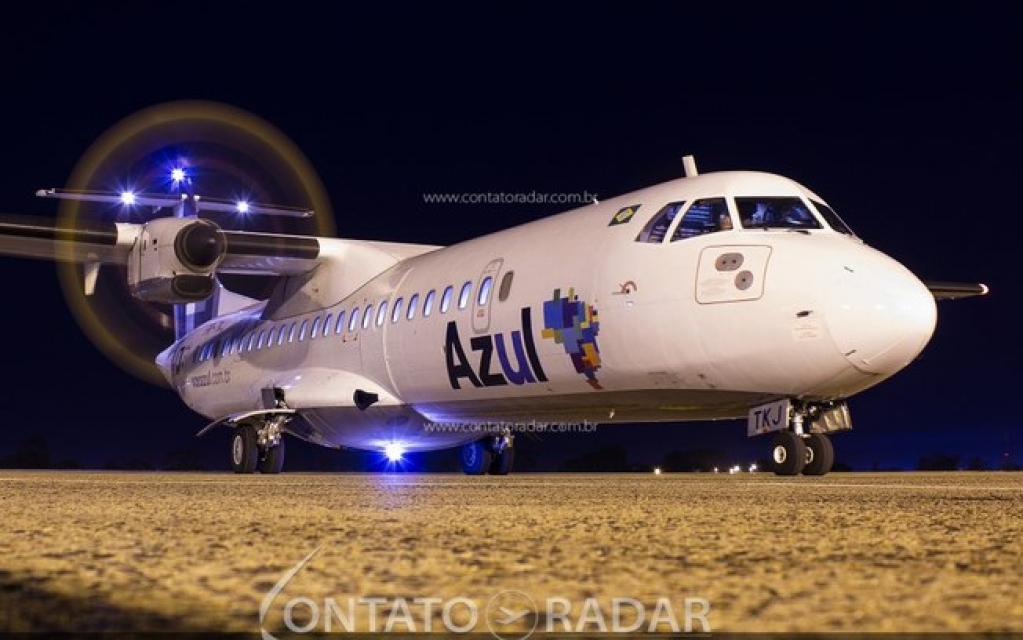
column 689, row 164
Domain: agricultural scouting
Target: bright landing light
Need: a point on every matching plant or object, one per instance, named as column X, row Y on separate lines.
column 242, row 206
column 394, row 451
column 177, row 174
column 127, row 198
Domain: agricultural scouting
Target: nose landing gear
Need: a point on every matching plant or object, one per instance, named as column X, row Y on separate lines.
column 800, row 444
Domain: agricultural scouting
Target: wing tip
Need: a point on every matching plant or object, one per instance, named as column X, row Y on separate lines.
column 955, row 290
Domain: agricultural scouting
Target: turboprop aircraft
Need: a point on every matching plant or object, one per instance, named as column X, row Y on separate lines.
column 717, row 296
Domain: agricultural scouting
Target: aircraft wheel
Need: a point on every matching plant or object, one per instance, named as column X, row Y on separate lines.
column 244, row 449
column 476, row 458
column 788, row 454
column 503, row 462
column 272, row 460
column 820, row 455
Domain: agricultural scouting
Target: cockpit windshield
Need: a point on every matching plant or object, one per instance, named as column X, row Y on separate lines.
column 775, row 213
column 832, row 218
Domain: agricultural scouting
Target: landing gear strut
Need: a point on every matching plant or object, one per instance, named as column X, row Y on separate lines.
column 494, row 455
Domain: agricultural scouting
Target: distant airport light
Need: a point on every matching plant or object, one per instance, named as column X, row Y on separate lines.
column 177, row 174
column 752, row 468
column 394, row 451
column 127, row 198
column 657, row 471
column 242, row 206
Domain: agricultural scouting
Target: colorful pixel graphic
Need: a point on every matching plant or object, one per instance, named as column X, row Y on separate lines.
column 574, row 325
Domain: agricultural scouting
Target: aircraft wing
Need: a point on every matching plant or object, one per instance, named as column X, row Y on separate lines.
column 111, row 243
column 33, row 237
column 954, row 290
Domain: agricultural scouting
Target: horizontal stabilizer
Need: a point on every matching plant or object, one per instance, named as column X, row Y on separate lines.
column 158, row 201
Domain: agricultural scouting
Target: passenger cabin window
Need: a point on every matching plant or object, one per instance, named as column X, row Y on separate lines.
column 301, row 332
column 412, row 304
column 282, row 335
column 367, row 316
column 445, row 300
column 271, row 338
column 227, row 347
column 291, row 333
column 354, row 320
column 428, row 303
column 775, row 213
column 396, row 313
column 703, row 216
column 484, row 296
column 326, row 325
column 506, row 282
column 465, row 295
column 340, row 323
column 259, row 342
column 832, row 218
column 316, row 328
column 382, row 313
column 657, row 228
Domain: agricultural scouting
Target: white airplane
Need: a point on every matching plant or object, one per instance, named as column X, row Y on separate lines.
column 717, row 296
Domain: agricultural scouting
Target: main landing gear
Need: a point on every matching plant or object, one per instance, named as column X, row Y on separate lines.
column 801, row 442
column 259, row 448
column 494, row 455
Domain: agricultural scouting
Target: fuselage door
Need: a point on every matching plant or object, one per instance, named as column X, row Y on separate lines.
column 486, row 287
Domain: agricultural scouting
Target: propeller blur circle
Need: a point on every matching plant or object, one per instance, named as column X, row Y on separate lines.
column 213, row 146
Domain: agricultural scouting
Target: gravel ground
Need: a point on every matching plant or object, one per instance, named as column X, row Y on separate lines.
column 200, row 552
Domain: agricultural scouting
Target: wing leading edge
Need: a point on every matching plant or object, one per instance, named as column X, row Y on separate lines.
column 93, row 242
column 956, row 290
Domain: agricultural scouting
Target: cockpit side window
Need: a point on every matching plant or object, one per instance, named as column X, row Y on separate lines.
column 657, row 228
column 832, row 218
column 703, row 216
column 775, row 213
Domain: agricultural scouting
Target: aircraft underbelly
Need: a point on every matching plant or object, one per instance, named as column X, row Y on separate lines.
column 447, row 424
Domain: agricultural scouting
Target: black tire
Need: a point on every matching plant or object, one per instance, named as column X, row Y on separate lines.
column 788, row 454
column 272, row 460
column 244, row 450
column 476, row 458
column 820, row 455
column 503, row 462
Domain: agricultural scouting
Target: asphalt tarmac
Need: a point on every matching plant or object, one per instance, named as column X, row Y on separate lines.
column 910, row 552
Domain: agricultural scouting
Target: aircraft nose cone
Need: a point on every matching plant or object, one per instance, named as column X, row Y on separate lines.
column 881, row 316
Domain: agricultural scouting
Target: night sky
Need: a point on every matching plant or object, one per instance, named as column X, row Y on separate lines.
column 906, row 118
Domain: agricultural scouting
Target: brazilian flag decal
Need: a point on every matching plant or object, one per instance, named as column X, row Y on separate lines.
column 624, row 215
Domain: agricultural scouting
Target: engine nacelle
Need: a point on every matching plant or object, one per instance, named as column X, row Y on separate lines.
column 174, row 260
